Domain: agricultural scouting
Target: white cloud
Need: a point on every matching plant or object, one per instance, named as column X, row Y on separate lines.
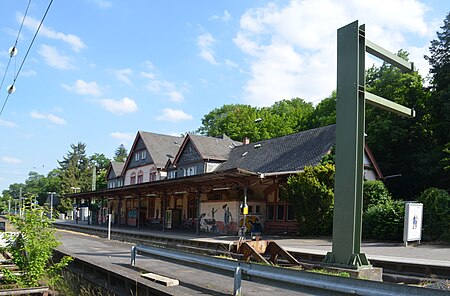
column 28, row 73
column 173, row 115
column 55, row 59
column 47, row 116
column 84, row 88
column 6, row 123
column 119, row 107
column 123, row 75
column 230, row 64
column 32, row 24
column 225, row 17
column 103, row 4
column 11, row 160
column 175, row 96
column 158, row 85
column 126, row 137
column 292, row 48
column 205, row 43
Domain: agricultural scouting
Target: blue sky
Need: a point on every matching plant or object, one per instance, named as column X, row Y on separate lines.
column 100, row 70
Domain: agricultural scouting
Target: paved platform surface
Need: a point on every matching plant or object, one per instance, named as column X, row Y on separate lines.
column 115, row 257
column 427, row 254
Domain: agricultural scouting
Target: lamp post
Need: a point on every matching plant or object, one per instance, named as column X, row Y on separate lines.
column 51, row 204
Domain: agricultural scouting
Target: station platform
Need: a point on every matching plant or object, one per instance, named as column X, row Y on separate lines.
column 108, row 261
column 427, row 254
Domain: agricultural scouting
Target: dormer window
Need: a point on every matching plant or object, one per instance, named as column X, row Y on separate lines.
column 136, row 156
column 144, row 154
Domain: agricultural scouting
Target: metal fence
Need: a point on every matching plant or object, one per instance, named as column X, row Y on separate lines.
column 281, row 275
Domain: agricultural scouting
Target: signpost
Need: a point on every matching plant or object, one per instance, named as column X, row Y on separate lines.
column 350, row 119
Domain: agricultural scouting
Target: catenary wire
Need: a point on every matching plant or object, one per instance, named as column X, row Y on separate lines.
column 15, row 43
column 26, row 54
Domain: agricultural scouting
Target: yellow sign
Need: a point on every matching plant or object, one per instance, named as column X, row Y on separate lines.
column 245, row 212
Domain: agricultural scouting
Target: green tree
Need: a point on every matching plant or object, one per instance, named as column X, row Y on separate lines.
column 312, row 194
column 436, row 214
column 236, row 121
column 240, row 121
column 325, row 112
column 439, row 105
column 401, row 145
column 121, row 154
column 374, row 193
column 32, row 250
column 74, row 173
column 100, row 162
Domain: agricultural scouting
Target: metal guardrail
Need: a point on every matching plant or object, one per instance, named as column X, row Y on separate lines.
column 287, row 276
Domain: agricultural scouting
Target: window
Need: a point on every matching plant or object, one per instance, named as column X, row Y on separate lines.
column 290, row 213
column 140, row 177
column 258, row 209
column 250, row 209
column 270, row 212
column 280, row 213
column 152, row 177
column 133, row 179
column 144, row 154
column 172, row 174
column 191, row 171
column 136, row 156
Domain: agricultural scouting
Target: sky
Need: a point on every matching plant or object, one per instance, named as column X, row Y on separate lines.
column 99, row 71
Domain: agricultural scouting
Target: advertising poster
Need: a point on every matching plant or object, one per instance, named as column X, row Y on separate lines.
column 413, row 222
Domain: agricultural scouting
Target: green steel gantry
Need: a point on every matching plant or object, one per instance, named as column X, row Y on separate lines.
column 350, row 117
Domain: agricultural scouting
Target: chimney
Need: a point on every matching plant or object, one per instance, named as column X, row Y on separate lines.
column 246, row 141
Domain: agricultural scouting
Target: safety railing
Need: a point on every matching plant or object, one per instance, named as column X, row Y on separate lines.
column 285, row 275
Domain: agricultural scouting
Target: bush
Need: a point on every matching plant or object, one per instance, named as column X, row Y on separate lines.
column 384, row 221
column 375, row 192
column 312, row 194
column 436, row 214
column 32, row 250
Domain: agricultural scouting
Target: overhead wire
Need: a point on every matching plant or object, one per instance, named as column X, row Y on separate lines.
column 26, row 54
column 15, row 44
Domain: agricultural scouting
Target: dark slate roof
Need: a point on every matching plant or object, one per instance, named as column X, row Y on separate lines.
column 284, row 154
column 213, row 148
column 159, row 146
column 117, row 167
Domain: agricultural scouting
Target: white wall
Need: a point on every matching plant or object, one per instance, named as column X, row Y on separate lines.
column 146, row 169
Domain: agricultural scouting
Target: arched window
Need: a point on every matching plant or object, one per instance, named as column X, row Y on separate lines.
column 140, row 177
column 133, row 178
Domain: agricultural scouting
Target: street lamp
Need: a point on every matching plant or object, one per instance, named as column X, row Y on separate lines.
column 51, row 203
